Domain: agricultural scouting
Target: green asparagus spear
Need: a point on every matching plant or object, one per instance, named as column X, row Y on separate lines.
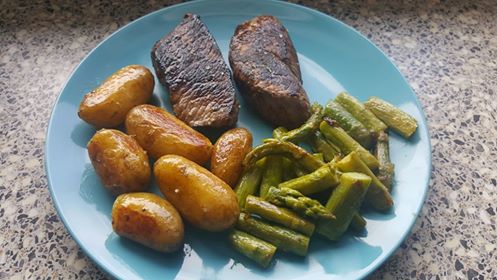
column 344, row 203
column 321, row 145
column 346, row 143
column 319, row 180
column 288, row 149
column 279, row 132
column 378, row 196
column 393, row 117
column 292, row 169
column 288, row 170
column 350, row 124
column 319, row 156
column 249, row 182
column 272, row 175
column 284, row 239
column 252, row 247
column 382, row 153
column 299, row 203
column 357, row 109
column 278, row 215
column 358, row 223
column 311, row 125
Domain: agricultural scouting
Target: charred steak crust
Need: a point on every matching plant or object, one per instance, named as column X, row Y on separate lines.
column 190, row 65
column 267, row 71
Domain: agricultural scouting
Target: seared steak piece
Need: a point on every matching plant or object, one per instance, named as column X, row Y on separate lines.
column 190, row 65
column 267, row 72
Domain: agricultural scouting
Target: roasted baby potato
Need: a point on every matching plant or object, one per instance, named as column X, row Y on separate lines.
column 119, row 161
column 203, row 199
column 107, row 105
column 148, row 219
column 161, row 133
column 228, row 153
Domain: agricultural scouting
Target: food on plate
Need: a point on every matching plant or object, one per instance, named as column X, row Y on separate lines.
column 285, row 239
column 378, row 195
column 228, row 153
column 319, row 180
column 344, row 203
column 288, row 149
column 359, row 111
column 249, row 182
column 119, row 161
column 333, row 132
column 274, row 196
column 350, row 124
column 278, row 215
column 299, row 203
column 272, row 174
column 382, row 153
column 161, row 133
column 302, row 132
column 107, row 105
column 393, row 117
column 148, row 219
column 252, row 247
column 190, row 65
column 267, row 72
column 203, row 199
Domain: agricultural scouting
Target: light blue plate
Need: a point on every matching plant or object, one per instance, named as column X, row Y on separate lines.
column 333, row 57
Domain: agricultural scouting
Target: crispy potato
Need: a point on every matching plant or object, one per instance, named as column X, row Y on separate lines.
column 119, row 161
column 107, row 105
column 228, row 153
column 203, row 199
column 148, row 219
column 161, row 133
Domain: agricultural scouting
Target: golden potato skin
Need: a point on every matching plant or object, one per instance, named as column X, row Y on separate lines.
column 148, row 219
column 203, row 199
column 228, row 153
column 107, row 105
column 119, row 161
column 161, row 133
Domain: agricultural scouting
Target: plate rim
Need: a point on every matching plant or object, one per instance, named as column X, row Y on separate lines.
column 376, row 262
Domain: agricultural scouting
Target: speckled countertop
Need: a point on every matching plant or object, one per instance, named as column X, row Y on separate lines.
column 447, row 50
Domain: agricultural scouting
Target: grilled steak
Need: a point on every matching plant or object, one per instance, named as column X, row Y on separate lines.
column 190, row 65
column 267, row 72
